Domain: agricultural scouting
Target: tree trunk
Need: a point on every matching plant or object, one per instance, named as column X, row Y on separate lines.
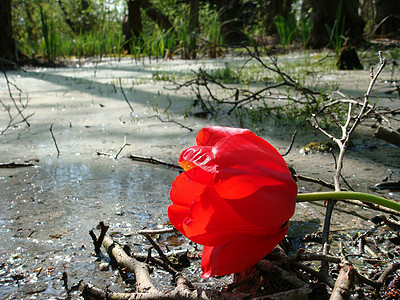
column 387, row 12
column 85, row 21
column 132, row 25
column 325, row 12
column 193, row 27
column 161, row 20
column 8, row 46
column 231, row 23
column 276, row 8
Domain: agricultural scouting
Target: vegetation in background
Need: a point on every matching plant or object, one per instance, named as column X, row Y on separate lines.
column 53, row 31
column 49, row 45
column 336, row 33
column 50, row 31
column 93, row 28
column 286, row 28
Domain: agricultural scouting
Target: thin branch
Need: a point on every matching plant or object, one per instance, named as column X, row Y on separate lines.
column 291, row 143
column 155, row 161
column 122, row 148
column 157, row 231
column 125, row 97
column 54, row 140
column 172, row 121
column 13, row 100
column 347, row 130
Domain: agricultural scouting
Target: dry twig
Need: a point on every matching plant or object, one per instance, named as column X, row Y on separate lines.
column 343, row 142
column 122, row 148
column 54, row 140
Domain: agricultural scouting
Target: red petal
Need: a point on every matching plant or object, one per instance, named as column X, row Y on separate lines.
column 243, row 252
column 200, row 156
column 209, row 136
column 245, row 164
column 268, row 208
column 182, row 194
column 177, row 215
column 214, row 222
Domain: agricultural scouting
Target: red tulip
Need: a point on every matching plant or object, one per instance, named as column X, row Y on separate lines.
column 235, row 198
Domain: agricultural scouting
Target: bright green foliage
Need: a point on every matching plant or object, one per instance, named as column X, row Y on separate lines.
column 210, row 25
column 286, row 28
column 304, row 31
column 47, row 29
column 42, row 30
column 50, row 39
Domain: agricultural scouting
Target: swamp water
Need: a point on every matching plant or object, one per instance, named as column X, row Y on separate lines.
column 46, row 210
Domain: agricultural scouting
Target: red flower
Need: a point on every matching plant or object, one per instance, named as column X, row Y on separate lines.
column 234, row 198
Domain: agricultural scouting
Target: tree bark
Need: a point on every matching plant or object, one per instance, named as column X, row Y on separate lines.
column 387, row 12
column 8, row 45
column 231, row 23
column 276, row 8
column 161, row 20
column 132, row 25
column 193, row 27
column 325, row 12
column 82, row 19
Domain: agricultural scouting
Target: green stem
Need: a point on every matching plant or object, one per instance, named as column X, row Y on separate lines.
column 309, row 197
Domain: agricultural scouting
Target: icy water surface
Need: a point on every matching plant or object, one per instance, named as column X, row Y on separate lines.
column 46, row 217
column 46, row 210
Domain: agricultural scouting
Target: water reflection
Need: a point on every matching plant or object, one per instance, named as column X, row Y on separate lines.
column 46, row 213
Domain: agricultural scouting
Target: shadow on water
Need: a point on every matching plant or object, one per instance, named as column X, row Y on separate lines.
column 99, row 89
column 48, row 211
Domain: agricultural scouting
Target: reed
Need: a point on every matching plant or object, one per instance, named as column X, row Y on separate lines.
column 49, row 46
column 336, row 33
column 57, row 41
column 286, row 28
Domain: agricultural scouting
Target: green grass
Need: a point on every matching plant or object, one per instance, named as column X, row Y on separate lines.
column 286, row 28
column 56, row 41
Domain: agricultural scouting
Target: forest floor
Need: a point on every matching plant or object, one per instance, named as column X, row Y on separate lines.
column 48, row 206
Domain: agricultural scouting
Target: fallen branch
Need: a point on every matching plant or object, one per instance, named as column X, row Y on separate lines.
column 122, row 148
column 296, row 294
column 13, row 165
column 155, row 161
column 344, row 282
column 145, row 288
column 157, row 231
column 97, row 242
column 281, row 273
column 388, row 135
column 172, row 121
column 141, row 270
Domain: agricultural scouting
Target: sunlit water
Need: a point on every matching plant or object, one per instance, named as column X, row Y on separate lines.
column 46, row 211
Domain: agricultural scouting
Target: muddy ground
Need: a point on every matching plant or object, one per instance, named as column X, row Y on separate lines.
column 47, row 209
